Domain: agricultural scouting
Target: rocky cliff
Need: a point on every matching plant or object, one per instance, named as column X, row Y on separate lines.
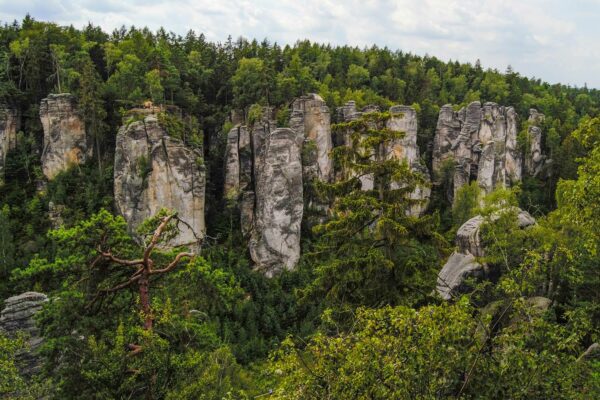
column 311, row 120
column 153, row 171
column 65, row 141
column 477, row 143
column 264, row 174
column 9, row 125
column 18, row 317
column 534, row 158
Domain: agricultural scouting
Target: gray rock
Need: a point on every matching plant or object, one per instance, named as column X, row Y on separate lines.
column 481, row 141
column 310, row 118
column 9, row 126
column 154, row 171
column 275, row 239
column 534, row 158
column 232, row 164
column 65, row 140
column 459, row 267
column 404, row 119
column 16, row 318
column 591, row 353
column 463, row 263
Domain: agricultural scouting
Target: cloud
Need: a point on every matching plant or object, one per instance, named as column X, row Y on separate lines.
column 550, row 39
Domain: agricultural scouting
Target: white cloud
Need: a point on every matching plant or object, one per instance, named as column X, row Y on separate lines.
column 551, row 39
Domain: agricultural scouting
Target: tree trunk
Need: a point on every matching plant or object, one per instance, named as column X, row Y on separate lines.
column 145, row 299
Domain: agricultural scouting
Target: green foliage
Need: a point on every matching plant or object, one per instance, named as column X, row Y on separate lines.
column 371, row 251
column 466, row 203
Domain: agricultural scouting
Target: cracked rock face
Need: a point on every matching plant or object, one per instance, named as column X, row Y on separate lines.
column 154, row 171
column 534, row 159
column 9, row 125
column 18, row 317
column 311, row 119
column 275, row 240
column 480, row 143
column 404, row 119
column 264, row 173
column 65, row 141
column 463, row 263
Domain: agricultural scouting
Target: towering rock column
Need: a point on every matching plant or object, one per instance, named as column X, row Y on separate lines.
column 404, row 119
column 310, row 118
column 275, row 240
column 264, row 173
column 9, row 125
column 534, row 159
column 481, row 141
column 153, row 171
column 65, row 141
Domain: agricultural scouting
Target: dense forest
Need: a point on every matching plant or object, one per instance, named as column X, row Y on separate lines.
column 359, row 316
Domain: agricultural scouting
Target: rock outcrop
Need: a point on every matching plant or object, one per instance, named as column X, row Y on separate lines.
column 18, row 317
column 264, row 172
column 154, row 171
column 275, row 239
column 534, row 159
column 404, row 119
column 65, row 140
column 9, row 126
column 310, row 118
column 480, row 142
column 463, row 263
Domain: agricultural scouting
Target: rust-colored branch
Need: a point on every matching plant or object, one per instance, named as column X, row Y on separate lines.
column 156, row 236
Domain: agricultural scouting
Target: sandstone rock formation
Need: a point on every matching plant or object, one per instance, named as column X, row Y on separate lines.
column 404, row 119
column 263, row 171
column 18, row 317
column 480, row 142
column 65, row 141
column 534, row 159
column 275, row 240
column 463, row 263
column 9, row 125
column 154, row 171
column 311, row 119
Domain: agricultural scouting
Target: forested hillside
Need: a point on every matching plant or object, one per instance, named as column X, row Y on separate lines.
column 145, row 179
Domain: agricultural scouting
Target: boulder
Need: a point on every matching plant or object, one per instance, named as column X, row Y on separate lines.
column 18, row 317
column 9, row 126
column 65, row 140
column 463, row 263
column 154, row 171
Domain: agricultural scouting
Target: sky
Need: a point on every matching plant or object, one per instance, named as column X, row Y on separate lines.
column 555, row 40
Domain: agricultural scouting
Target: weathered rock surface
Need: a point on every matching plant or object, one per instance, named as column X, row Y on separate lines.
column 18, row 317
column 534, row 159
column 463, row 263
column 404, row 119
column 9, row 125
column 154, row 171
column 275, row 240
column 264, row 172
column 311, row 119
column 65, row 140
column 481, row 143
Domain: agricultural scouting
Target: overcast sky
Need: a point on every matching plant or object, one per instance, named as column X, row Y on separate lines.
column 556, row 40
